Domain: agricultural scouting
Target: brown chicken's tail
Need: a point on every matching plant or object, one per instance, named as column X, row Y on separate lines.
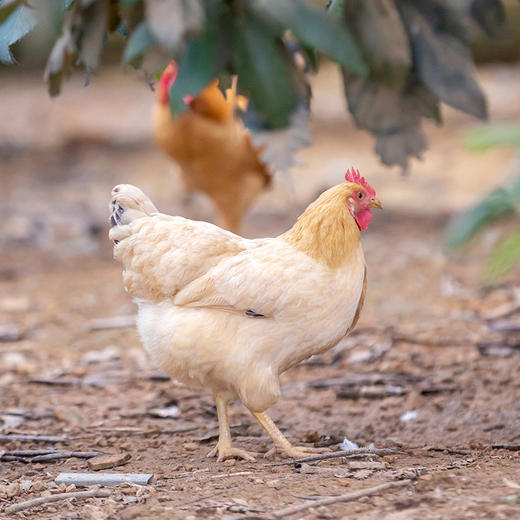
column 127, row 204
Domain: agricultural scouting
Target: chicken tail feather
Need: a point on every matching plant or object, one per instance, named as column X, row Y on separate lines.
column 129, row 203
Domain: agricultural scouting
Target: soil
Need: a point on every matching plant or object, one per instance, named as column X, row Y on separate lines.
column 431, row 371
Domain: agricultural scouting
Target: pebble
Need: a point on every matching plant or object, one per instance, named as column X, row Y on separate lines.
column 108, row 461
column 9, row 332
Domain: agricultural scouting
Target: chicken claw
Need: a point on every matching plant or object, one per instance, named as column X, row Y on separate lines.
column 224, row 449
column 228, row 452
column 281, row 444
column 295, row 452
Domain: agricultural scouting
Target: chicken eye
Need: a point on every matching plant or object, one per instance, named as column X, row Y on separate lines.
column 360, row 195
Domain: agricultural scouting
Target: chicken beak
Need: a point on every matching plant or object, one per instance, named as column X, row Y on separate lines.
column 376, row 203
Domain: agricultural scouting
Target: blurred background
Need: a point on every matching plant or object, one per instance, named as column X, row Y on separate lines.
column 435, row 304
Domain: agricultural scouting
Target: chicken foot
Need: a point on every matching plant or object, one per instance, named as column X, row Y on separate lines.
column 224, row 449
column 281, row 444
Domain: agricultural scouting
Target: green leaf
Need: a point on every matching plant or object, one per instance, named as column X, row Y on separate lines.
column 94, row 33
column 316, row 29
column 493, row 206
column 67, row 4
column 465, row 226
column 14, row 28
column 139, row 42
column 172, row 21
column 264, row 71
column 336, row 8
column 485, row 137
column 489, row 14
column 5, row 3
column 278, row 147
column 127, row 4
column 441, row 57
column 60, row 58
column 199, row 63
column 504, row 257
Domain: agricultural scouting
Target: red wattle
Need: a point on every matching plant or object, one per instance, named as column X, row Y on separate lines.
column 363, row 219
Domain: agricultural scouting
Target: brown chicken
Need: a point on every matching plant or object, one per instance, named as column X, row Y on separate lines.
column 229, row 314
column 212, row 147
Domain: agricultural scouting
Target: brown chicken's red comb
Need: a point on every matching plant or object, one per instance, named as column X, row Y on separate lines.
column 168, row 78
column 354, row 176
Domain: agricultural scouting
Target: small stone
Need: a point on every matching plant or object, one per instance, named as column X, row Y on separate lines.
column 10, row 490
column 323, row 512
column 170, row 412
column 355, row 465
column 190, row 446
column 108, row 461
column 68, row 414
column 15, row 304
column 312, row 437
column 26, row 485
column 362, row 474
column 9, row 332
column 38, row 486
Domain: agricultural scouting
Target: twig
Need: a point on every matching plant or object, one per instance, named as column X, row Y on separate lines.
column 130, row 430
column 346, row 454
column 506, row 309
column 510, row 447
column 59, row 381
column 22, row 506
column 12, row 458
column 375, row 378
column 114, row 322
column 65, row 455
column 430, row 342
column 372, row 392
column 40, row 438
column 504, row 325
column 349, row 497
column 29, row 453
column 237, row 474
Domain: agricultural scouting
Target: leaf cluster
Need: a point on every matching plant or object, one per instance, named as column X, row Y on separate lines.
column 399, row 58
column 418, row 57
column 500, row 203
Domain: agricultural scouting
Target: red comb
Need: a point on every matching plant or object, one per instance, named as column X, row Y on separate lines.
column 353, row 176
column 168, row 77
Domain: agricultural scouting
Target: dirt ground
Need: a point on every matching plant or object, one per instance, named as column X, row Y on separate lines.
column 431, row 372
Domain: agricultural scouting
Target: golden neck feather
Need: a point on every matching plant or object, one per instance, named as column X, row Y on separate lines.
column 326, row 231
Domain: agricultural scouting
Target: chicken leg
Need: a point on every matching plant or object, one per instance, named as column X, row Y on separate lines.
column 224, row 448
column 281, row 444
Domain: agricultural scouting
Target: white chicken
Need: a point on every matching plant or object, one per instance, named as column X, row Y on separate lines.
column 229, row 314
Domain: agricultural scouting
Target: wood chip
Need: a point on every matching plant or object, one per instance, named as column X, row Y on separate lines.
column 108, row 461
column 90, row 479
column 31, row 438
